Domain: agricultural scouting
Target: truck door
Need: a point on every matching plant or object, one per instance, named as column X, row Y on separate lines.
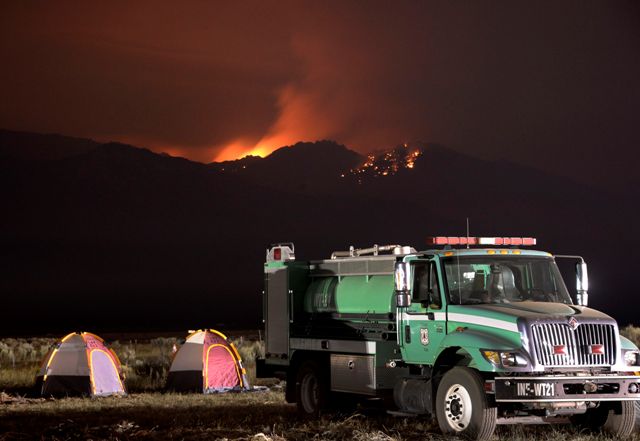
column 423, row 324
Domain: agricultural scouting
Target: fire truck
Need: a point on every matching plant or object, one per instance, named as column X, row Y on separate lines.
column 475, row 331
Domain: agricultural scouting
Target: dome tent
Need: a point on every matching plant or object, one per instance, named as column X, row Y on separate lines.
column 207, row 362
column 80, row 364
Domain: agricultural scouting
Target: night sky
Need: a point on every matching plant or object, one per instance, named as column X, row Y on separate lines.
column 552, row 85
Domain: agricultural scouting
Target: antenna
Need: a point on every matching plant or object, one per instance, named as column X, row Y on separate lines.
column 467, row 232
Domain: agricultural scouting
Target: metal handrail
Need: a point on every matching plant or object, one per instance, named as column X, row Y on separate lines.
column 374, row 250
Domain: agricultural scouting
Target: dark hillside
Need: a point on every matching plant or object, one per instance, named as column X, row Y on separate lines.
column 306, row 167
column 114, row 237
column 35, row 146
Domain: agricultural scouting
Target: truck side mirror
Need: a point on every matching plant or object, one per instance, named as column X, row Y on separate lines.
column 582, row 283
column 403, row 284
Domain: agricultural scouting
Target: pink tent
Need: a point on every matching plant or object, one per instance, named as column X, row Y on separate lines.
column 207, row 362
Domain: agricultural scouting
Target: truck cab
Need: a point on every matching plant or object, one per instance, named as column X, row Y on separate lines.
column 474, row 336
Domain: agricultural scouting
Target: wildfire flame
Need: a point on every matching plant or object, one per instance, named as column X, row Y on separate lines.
column 297, row 121
column 264, row 147
column 388, row 163
column 239, row 149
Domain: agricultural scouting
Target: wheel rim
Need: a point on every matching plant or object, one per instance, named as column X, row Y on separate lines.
column 309, row 395
column 457, row 407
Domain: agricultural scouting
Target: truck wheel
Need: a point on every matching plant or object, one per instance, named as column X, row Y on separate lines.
column 312, row 389
column 621, row 419
column 462, row 407
column 618, row 418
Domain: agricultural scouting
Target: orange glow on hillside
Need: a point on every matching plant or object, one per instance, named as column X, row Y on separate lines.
column 239, row 149
column 235, row 150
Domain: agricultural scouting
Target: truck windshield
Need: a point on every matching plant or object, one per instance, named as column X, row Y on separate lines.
column 503, row 279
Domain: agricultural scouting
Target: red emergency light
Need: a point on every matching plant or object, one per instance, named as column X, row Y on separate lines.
column 444, row 240
column 560, row 350
column 596, row 349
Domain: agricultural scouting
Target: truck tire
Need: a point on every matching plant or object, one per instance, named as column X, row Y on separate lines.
column 462, row 407
column 312, row 389
column 637, row 425
column 618, row 418
column 621, row 420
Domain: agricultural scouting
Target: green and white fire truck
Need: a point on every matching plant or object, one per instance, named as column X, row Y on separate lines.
column 476, row 331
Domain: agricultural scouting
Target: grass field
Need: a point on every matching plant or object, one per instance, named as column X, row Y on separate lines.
column 250, row 416
column 147, row 413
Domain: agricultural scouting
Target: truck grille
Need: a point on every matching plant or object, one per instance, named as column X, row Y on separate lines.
column 557, row 345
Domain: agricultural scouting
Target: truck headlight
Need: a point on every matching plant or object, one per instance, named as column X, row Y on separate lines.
column 505, row 359
column 512, row 359
column 631, row 357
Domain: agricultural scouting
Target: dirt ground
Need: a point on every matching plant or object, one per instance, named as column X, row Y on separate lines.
column 257, row 416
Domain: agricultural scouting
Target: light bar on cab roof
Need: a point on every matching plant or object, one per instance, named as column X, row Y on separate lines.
column 443, row 240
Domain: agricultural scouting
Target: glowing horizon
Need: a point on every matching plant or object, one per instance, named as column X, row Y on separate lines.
column 240, row 149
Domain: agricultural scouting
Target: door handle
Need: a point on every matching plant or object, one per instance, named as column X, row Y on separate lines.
column 430, row 316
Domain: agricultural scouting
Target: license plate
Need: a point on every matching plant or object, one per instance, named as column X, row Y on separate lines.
column 534, row 389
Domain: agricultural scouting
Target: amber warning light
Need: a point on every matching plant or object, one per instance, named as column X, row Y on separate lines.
column 443, row 240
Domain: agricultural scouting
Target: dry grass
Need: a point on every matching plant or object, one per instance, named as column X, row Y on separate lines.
column 249, row 350
column 259, row 416
column 149, row 414
column 20, row 361
column 632, row 333
column 146, row 363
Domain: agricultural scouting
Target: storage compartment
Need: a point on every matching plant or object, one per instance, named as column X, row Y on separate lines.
column 353, row 373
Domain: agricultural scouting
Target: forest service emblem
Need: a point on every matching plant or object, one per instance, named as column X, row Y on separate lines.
column 424, row 336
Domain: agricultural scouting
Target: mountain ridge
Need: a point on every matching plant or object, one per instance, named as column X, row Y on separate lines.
column 22, row 145
column 140, row 228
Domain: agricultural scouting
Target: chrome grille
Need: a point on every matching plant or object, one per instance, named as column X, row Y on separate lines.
column 577, row 343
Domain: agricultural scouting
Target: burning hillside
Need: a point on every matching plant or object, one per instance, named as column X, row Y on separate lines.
column 388, row 163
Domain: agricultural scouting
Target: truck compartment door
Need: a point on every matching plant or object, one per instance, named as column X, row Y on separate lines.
column 353, row 373
column 277, row 312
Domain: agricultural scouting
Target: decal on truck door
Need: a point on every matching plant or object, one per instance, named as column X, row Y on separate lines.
column 424, row 336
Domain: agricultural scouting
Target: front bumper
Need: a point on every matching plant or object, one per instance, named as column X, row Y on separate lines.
column 556, row 388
